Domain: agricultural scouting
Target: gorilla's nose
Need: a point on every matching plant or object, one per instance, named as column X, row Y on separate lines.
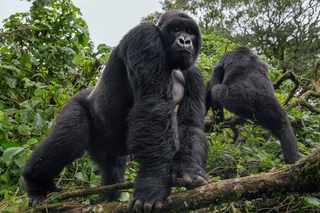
column 184, row 42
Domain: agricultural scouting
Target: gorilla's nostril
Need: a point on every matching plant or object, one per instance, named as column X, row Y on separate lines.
column 188, row 42
column 181, row 41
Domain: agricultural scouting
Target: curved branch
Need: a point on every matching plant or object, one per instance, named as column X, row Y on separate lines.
column 303, row 101
column 288, row 76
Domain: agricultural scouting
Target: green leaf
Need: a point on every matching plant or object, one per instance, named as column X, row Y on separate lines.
column 79, row 176
column 103, row 48
column 312, row 201
column 10, row 67
column 78, row 59
column 10, row 153
column 24, row 129
column 124, row 197
column 2, row 116
column 11, row 82
column 38, row 120
column 32, row 141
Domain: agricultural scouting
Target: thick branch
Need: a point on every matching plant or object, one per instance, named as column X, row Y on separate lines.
column 303, row 177
column 303, row 101
column 288, row 76
column 305, row 104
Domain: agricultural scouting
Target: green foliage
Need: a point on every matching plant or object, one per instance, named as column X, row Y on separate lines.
column 46, row 56
column 213, row 47
column 256, row 150
column 287, row 32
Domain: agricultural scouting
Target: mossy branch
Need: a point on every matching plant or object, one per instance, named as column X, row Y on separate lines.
column 302, row 177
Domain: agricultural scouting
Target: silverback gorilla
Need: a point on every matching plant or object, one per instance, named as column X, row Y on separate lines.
column 149, row 102
column 240, row 84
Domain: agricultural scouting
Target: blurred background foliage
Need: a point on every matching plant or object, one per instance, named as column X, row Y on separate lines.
column 46, row 56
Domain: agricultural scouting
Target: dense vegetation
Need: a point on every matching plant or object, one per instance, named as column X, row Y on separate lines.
column 46, row 56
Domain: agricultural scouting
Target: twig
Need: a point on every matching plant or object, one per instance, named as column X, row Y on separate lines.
column 94, row 190
column 99, row 190
column 60, row 206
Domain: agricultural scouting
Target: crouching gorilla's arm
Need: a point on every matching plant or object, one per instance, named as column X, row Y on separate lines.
column 214, row 83
column 150, row 131
column 190, row 161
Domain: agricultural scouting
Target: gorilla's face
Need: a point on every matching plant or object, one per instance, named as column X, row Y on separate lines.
column 182, row 39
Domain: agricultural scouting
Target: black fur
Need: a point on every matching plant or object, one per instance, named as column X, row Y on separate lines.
column 133, row 110
column 240, row 84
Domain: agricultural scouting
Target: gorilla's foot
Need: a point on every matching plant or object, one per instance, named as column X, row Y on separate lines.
column 189, row 175
column 149, row 195
column 35, row 200
column 37, row 193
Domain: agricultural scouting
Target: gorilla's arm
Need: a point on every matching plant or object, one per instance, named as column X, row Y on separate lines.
column 190, row 161
column 150, row 131
column 211, row 101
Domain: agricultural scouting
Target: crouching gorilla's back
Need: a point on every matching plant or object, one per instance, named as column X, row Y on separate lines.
column 240, row 84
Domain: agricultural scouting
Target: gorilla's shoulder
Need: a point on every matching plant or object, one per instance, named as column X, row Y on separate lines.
column 141, row 44
column 194, row 72
column 142, row 34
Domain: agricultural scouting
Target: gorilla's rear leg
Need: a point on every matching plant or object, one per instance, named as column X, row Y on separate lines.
column 66, row 142
column 288, row 143
column 112, row 170
column 262, row 108
column 271, row 116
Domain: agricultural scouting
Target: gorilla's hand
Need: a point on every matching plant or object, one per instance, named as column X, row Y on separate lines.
column 190, row 174
column 40, row 198
column 149, row 195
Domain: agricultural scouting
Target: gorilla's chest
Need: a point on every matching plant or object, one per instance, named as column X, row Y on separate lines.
column 178, row 84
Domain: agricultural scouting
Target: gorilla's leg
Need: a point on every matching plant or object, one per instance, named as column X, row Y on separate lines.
column 288, row 143
column 263, row 108
column 67, row 142
column 112, row 170
column 271, row 116
column 189, row 162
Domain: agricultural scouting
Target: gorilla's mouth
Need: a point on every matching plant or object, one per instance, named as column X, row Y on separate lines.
column 184, row 51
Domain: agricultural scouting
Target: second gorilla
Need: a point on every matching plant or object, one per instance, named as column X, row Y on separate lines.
column 240, row 84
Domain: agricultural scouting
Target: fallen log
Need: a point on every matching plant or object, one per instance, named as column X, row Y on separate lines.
column 302, row 177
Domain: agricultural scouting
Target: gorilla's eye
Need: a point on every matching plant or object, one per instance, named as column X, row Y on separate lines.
column 190, row 31
column 176, row 29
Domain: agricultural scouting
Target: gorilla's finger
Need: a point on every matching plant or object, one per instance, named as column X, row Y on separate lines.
column 148, row 207
column 173, row 179
column 199, row 181
column 138, row 206
column 158, row 206
column 57, row 189
column 36, row 200
column 131, row 205
column 187, row 179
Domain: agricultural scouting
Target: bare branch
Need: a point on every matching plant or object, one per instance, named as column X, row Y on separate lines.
column 287, row 76
column 303, row 101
